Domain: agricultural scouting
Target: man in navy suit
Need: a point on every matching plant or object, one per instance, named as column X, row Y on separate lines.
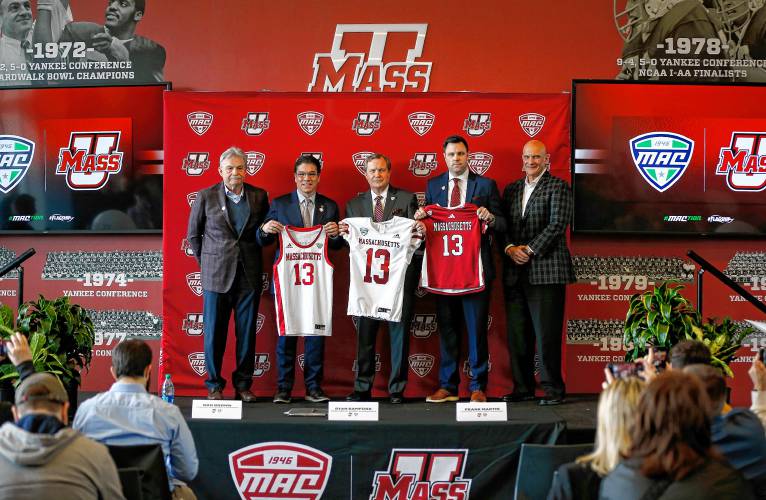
column 461, row 184
column 303, row 207
column 222, row 226
column 538, row 209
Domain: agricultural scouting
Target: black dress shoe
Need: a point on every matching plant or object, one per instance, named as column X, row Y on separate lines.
column 550, row 401
column 518, row 397
column 282, row 397
column 317, row 396
column 245, row 395
column 358, row 396
column 396, row 398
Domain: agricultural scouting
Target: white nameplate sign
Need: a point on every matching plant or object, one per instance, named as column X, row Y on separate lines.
column 481, row 412
column 223, row 409
column 352, row 411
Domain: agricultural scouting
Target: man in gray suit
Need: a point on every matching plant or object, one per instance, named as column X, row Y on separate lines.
column 382, row 202
column 222, row 229
column 538, row 209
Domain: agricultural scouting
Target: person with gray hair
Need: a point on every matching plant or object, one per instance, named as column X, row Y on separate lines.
column 40, row 457
column 222, row 231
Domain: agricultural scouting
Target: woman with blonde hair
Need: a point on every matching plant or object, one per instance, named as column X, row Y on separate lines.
column 616, row 412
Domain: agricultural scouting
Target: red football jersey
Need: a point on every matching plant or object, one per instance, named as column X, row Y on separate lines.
column 452, row 261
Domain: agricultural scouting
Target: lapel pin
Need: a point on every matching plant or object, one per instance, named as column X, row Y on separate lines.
column 393, row 198
column 444, row 187
column 321, row 208
column 223, row 208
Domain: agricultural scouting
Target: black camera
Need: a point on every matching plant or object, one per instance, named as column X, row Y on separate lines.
column 625, row 370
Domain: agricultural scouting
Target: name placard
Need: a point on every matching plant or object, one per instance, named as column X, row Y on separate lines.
column 221, row 409
column 352, row 411
column 481, row 412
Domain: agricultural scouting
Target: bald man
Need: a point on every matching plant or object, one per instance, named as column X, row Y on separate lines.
column 538, row 266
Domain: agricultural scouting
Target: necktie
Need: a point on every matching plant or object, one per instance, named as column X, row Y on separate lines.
column 378, row 215
column 306, row 212
column 454, row 199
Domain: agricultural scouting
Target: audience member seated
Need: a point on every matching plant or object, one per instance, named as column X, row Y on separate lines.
column 41, row 458
column 689, row 352
column 671, row 455
column 737, row 434
column 128, row 415
column 757, row 374
column 616, row 412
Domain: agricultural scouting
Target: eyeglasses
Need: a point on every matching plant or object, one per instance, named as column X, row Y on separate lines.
column 310, row 175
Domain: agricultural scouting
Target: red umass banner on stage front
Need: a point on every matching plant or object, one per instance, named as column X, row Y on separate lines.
column 341, row 129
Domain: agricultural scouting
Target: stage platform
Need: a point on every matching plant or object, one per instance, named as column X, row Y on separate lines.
column 484, row 455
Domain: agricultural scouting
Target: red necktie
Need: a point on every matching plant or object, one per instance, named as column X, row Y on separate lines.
column 378, row 215
column 454, row 199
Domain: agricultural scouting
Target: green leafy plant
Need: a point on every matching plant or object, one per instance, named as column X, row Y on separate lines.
column 660, row 317
column 61, row 336
column 724, row 339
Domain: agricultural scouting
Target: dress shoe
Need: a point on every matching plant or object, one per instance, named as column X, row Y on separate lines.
column 550, row 401
column 358, row 397
column 245, row 395
column 317, row 396
column 478, row 397
column 282, row 397
column 518, row 397
column 442, row 395
column 396, row 398
column 215, row 394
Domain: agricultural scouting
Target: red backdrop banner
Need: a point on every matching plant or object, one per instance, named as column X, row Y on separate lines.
column 274, row 129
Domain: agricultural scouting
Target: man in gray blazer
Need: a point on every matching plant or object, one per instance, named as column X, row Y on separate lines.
column 382, row 202
column 538, row 267
column 222, row 229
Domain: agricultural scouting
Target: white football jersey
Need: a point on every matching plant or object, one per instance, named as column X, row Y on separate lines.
column 379, row 255
column 303, row 283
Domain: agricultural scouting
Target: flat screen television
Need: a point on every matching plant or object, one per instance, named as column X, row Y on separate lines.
column 85, row 159
column 667, row 158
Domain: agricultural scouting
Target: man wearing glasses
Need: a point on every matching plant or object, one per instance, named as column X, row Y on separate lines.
column 303, row 207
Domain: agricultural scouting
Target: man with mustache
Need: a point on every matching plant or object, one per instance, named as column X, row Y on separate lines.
column 221, row 233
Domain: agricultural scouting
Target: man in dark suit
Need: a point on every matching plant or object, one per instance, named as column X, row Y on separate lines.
column 382, row 202
column 222, row 227
column 303, row 207
column 453, row 188
column 538, row 209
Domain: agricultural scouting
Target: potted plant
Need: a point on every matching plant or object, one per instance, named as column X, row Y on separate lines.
column 61, row 337
column 724, row 339
column 662, row 317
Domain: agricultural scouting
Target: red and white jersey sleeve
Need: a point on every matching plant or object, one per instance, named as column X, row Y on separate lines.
column 452, row 258
column 378, row 258
column 303, row 277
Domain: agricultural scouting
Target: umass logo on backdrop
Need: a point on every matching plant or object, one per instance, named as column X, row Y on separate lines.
column 415, row 474
column 196, row 163
column 90, row 159
column 279, row 469
column 422, row 164
column 423, row 325
column 421, row 122
column 256, row 122
column 661, row 157
column 366, row 123
column 477, row 124
column 743, row 162
column 193, row 324
column 262, row 364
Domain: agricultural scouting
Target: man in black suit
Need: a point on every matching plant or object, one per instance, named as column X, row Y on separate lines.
column 222, row 226
column 303, row 207
column 538, row 209
column 382, row 202
column 456, row 187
